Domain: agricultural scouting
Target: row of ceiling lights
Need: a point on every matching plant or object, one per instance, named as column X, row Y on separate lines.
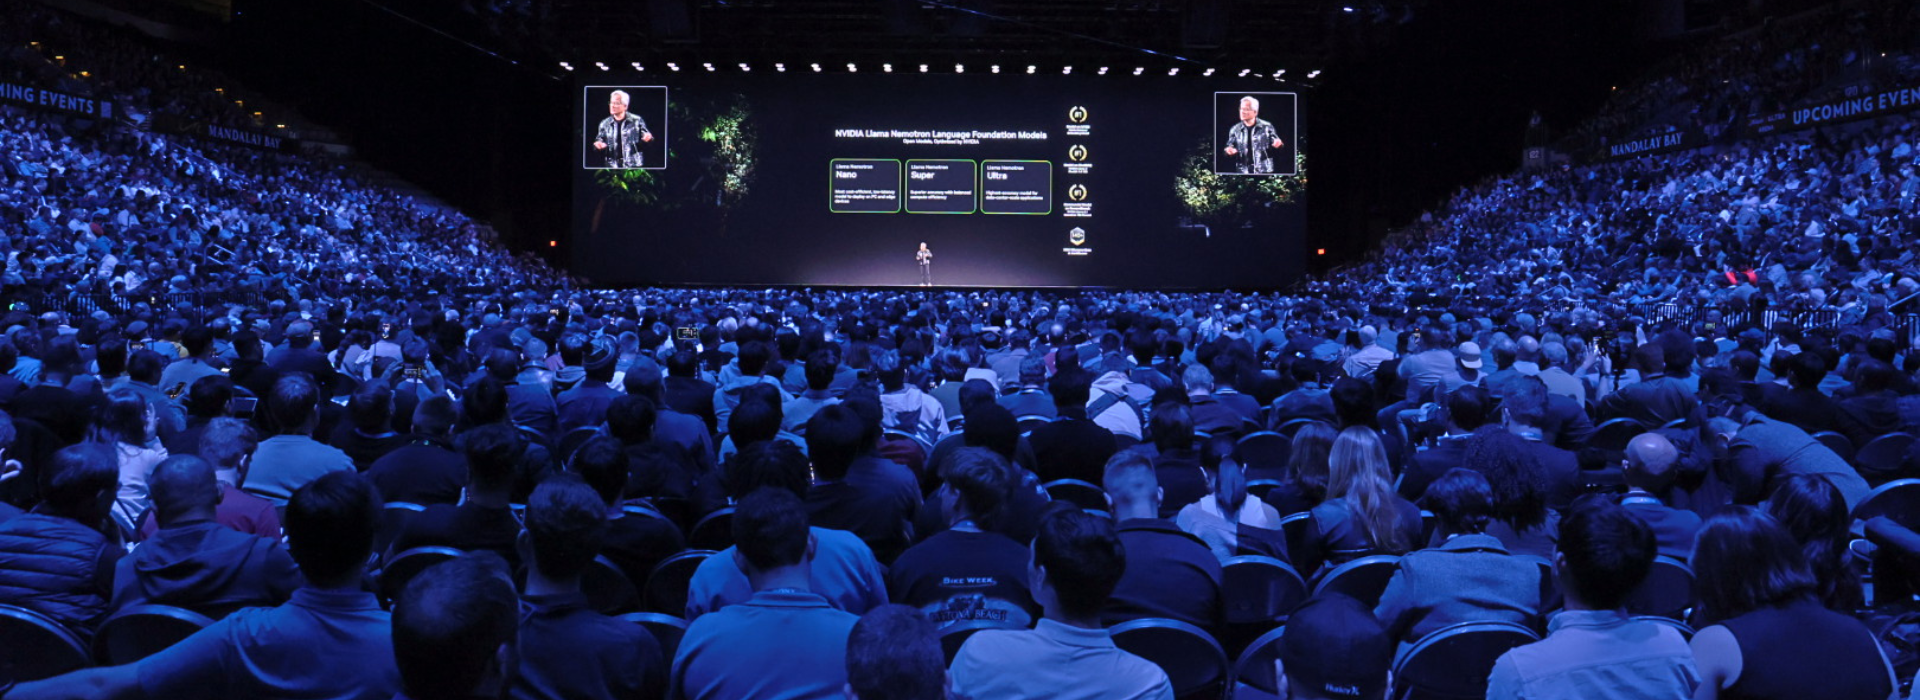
column 957, row 68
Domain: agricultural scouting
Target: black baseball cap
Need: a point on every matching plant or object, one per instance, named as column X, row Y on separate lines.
column 1334, row 645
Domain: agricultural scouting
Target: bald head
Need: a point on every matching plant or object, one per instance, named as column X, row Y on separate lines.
column 183, row 488
column 1650, row 460
column 1528, row 349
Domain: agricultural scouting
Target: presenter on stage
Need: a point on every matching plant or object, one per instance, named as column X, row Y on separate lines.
column 1252, row 140
column 925, row 258
column 619, row 137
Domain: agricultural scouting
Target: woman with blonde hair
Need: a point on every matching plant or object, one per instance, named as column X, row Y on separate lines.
column 1362, row 515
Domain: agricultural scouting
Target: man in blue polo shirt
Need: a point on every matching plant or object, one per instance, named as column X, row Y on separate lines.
column 784, row 643
column 331, row 640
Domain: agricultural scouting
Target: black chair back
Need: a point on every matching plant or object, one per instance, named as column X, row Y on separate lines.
column 1086, row 495
column 1260, row 590
column 408, row 564
column 713, row 532
column 1263, row 449
column 1288, row 428
column 393, row 521
column 140, row 631
column 666, row 629
column 33, row 647
column 1836, row 442
column 666, row 590
column 1884, row 458
column 1364, row 579
column 572, row 441
column 1454, row 661
column 608, row 589
column 1194, row 662
column 1029, row 422
column 1667, row 592
column 1259, row 488
column 1254, row 667
column 1296, row 528
column 1613, row 435
column 1897, row 500
column 953, row 636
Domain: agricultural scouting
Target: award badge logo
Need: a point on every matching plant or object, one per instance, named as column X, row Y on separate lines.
column 1077, row 115
column 1078, row 236
column 1077, row 193
column 1078, row 153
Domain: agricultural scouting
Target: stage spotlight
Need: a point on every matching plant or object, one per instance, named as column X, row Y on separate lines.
column 709, row 67
column 1346, row 9
column 959, row 68
column 1067, row 70
column 1208, row 73
column 851, row 68
column 744, row 68
column 1173, row 71
column 996, row 68
column 1031, row 69
column 816, row 67
column 600, row 65
column 1103, row 70
column 637, row 66
column 675, row 67
column 923, row 67
column 888, row 67
column 1314, row 74
column 1245, row 71
column 782, row 67
column 1282, row 72
column 566, row 66
column 1138, row 70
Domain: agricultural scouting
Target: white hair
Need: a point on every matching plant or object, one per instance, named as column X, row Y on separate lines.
column 1249, row 100
column 620, row 96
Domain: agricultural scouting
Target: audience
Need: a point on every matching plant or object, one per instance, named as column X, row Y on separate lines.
column 194, row 562
column 1593, row 647
column 1650, row 465
column 567, row 651
column 1334, row 649
column 59, row 564
column 893, row 654
column 1468, row 577
column 1362, row 515
column 456, row 631
column 971, row 571
column 1768, row 635
column 730, row 653
column 484, row 519
column 1077, row 560
column 1168, row 573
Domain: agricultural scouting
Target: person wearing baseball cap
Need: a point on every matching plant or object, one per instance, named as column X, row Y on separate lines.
column 1335, row 649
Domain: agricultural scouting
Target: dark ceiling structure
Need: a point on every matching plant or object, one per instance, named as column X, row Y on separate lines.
column 1264, row 37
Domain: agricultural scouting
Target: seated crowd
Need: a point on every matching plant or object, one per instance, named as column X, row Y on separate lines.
column 461, row 478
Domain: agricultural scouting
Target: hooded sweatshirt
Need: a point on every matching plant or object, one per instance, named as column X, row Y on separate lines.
column 206, row 567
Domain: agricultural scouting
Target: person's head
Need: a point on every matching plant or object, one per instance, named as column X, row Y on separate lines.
column 1077, row 561
column 210, row 396
column 630, row 419
column 1353, row 402
column 453, row 630
column 491, row 452
column 770, row 533
column 617, row 104
column 1525, row 405
column 1131, row 483
column 370, row 409
column 1813, row 511
column 1198, row 379
column 1806, row 370
column 125, row 417
column 993, row 427
column 1307, row 463
column 1249, row 109
column 1171, row 427
column 294, row 404
column 604, row 464
column 1604, row 553
column 330, row 524
column 566, row 524
column 754, row 420
column 1519, row 490
column 1467, row 408
column 1358, row 472
column 80, row 483
column 197, row 340
column 183, row 488
column 1651, row 459
column 227, row 444
column 753, row 358
column 981, row 482
column 1071, row 391
column 1462, row 500
column 1744, row 560
column 1335, row 649
column 145, row 366
column 894, row 654
column 772, row 464
column 1225, row 477
column 820, row 369
column 836, row 436
column 434, row 416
